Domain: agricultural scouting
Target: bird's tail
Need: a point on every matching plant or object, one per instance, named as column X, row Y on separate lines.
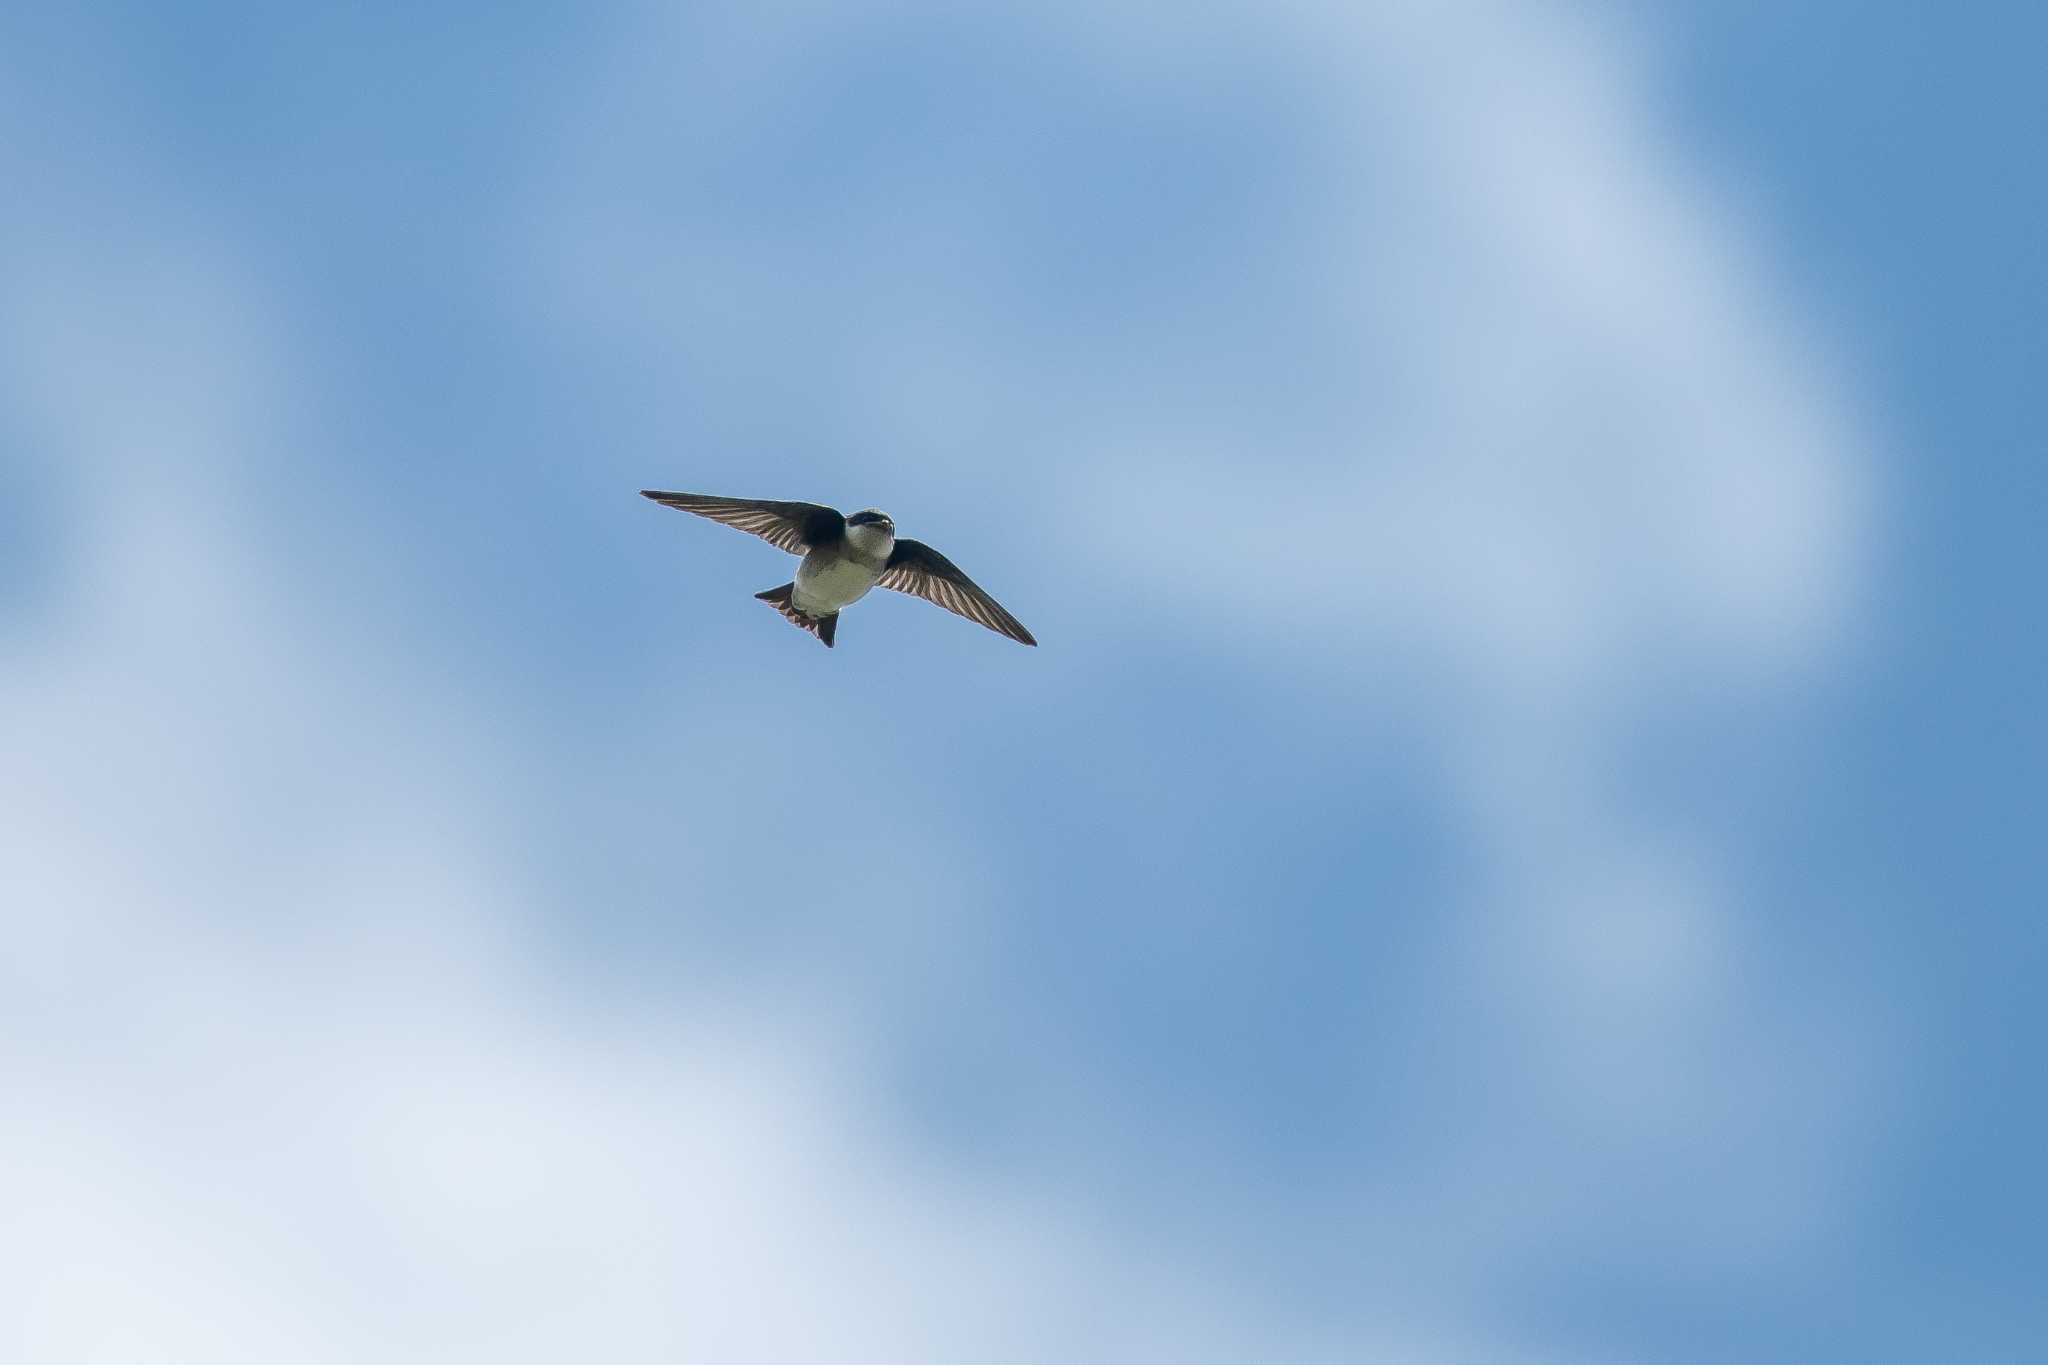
column 823, row 627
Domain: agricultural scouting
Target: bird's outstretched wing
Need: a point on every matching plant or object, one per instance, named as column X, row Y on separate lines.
column 791, row 526
column 918, row 569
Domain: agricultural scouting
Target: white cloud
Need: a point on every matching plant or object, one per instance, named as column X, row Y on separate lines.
column 1612, row 494
column 287, row 1079
column 1607, row 438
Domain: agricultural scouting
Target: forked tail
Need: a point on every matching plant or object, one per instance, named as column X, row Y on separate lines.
column 821, row 626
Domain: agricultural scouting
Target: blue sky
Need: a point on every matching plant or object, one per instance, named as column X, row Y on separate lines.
column 1515, row 846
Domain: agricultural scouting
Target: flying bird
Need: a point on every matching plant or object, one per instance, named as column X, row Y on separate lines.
column 845, row 556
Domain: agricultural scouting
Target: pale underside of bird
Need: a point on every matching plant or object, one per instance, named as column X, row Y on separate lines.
column 843, row 557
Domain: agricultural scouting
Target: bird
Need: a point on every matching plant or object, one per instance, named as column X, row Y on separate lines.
column 843, row 557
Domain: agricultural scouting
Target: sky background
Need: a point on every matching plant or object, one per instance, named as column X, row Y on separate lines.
column 1521, row 842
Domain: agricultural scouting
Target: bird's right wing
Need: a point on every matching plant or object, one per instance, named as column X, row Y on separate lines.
column 792, row 526
column 918, row 569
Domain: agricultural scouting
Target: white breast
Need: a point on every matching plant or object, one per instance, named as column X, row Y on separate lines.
column 825, row 588
column 870, row 541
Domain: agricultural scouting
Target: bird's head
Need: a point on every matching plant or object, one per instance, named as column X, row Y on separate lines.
column 871, row 528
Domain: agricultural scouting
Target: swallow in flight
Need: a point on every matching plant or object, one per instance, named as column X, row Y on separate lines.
column 845, row 556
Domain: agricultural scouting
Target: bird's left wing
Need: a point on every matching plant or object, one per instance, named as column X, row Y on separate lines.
column 791, row 526
column 918, row 569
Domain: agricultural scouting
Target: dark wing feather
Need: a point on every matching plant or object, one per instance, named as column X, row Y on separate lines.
column 791, row 526
column 918, row 569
